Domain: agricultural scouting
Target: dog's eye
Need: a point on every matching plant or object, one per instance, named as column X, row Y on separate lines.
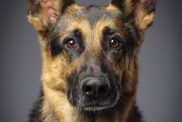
column 71, row 43
column 115, row 43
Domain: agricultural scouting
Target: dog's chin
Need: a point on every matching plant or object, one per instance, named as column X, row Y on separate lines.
column 101, row 107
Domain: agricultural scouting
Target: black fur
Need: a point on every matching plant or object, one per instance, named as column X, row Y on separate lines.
column 66, row 4
column 135, row 115
column 118, row 3
column 35, row 112
column 105, row 65
column 57, row 45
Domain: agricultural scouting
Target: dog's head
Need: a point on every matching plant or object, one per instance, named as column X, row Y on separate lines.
column 89, row 52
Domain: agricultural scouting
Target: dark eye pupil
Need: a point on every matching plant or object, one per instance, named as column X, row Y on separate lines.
column 114, row 43
column 71, row 43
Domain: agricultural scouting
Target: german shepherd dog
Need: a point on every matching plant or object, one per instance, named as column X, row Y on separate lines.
column 90, row 69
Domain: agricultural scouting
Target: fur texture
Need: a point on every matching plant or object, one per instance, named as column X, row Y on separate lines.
column 90, row 59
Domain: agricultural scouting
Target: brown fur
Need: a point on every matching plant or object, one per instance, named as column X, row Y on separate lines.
column 45, row 14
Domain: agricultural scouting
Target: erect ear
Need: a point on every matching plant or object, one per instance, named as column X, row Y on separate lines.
column 141, row 11
column 44, row 13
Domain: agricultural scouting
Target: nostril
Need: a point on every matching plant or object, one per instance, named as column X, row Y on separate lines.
column 86, row 88
column 95, row 87
column 103, row 89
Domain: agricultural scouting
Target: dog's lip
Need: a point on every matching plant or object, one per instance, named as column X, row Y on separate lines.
column 99, row 107
column 95, row 108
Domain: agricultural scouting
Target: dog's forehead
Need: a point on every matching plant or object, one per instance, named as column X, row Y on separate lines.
column 94, row 14
column 91, row 15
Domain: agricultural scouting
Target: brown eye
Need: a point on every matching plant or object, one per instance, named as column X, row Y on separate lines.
column 115, row 43
column 71, row 43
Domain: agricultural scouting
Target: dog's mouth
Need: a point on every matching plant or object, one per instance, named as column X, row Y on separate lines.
column 99, row 107
column 101, row 104
column 96, row 108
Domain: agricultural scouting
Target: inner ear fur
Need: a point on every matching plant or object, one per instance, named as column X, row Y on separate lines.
column 141, row 11
column 44, row 13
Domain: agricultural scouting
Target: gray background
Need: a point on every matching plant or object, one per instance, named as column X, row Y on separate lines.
column 159, row 94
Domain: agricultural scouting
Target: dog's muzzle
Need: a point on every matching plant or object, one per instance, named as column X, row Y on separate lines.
column 97, row 93
column 93, row 91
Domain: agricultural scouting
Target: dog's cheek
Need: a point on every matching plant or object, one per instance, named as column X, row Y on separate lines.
column 55, row 71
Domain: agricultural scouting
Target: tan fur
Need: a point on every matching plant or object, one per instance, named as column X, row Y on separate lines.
column 145, row 21
column 55, row 70
column 128, row 6
column 54, row 73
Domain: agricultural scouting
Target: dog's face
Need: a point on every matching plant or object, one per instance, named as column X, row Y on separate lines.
column 92, row 44
column 90, row 53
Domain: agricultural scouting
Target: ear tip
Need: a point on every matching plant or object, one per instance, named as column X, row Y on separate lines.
column 42, row 14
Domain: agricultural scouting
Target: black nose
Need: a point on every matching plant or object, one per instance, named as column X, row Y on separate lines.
column 95, row 87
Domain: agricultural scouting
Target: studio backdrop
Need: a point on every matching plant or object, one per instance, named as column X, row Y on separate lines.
column 160, row 84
